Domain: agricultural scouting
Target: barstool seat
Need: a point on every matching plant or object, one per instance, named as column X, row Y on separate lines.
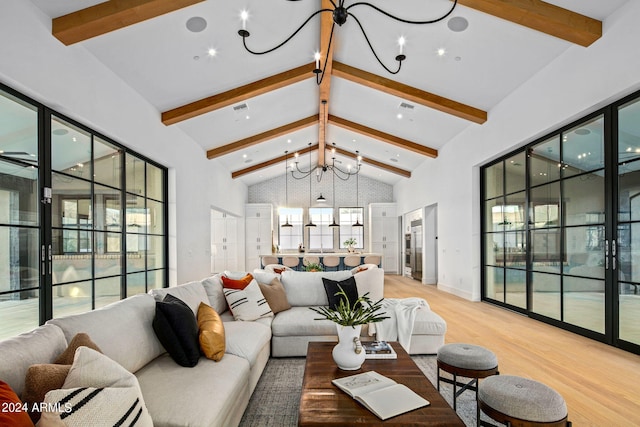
column 469, row 361
column 517, row 401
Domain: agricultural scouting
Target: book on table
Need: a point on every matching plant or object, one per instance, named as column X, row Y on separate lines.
column 379, row 350
column 379, row 394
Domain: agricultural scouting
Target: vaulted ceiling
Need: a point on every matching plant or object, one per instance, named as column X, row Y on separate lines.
column 246, row 111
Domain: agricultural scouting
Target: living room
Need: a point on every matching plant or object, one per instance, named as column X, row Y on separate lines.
column 573, row 82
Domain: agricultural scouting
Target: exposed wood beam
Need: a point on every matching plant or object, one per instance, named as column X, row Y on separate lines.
column 326, row 51
column 384, row 166
column 408, row 93
column 266, row 164
column 239, row 94
column 264, row 136
column 110, row 16
column 382, row 136
column 543, row 17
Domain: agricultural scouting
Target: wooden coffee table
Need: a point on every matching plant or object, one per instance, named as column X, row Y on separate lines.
column 323, row 404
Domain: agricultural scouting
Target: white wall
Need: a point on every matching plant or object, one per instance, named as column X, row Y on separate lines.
column 71, row 81
column 579, row 81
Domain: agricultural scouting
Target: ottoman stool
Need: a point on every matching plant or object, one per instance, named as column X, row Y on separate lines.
column 467, row 360
column 521, row 402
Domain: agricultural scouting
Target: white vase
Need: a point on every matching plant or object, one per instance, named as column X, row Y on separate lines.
column 348, row 353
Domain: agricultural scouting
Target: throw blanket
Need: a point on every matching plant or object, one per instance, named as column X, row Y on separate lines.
column 399, row 326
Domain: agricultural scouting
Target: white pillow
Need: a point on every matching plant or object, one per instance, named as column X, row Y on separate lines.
column 248, row 303
column 97, row 392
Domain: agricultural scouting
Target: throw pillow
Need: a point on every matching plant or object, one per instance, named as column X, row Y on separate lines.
column 97, row 391
column 248, row 303
column 211, row 332
column 13, row 411
column 39, row 380
column 177, row 330
column 275, row 295
column 332, row 287
column 80, row 339
column 242, row 283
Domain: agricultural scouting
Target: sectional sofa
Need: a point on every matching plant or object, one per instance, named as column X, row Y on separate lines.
column 211, row 393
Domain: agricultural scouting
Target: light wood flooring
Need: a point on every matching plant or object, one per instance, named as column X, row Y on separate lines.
column 600, row 383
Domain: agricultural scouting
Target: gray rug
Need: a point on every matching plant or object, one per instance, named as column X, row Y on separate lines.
column 276, row 398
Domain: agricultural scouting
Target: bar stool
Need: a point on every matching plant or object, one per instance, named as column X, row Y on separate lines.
column 522, row 402
column 291, row 262
column 351, row 261
column 372, row 259
column 331, row 261
column 266, row 260
column 469, row 361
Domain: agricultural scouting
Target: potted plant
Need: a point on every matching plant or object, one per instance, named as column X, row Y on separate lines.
column 312, row 266
column 349, row 318
column 350, row 243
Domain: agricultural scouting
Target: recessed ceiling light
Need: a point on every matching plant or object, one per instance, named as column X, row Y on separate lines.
column 196, row 24
column 60, row 132
column 582, row 131
column 244, row 156
column 442, row 51
column 457, row 24
column 196, row 58
column 399, row 116
column 288, row 141
column 212, row 52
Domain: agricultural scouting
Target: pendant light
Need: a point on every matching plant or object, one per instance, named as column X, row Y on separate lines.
column 357, row 223
column 286, row 191
column 334, row 224
column 310, row 223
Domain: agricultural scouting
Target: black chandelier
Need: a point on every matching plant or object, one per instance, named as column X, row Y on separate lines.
column 340, row 14
column 320, row 170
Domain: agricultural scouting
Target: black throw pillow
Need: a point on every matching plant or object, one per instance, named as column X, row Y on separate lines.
column 176, row 327
column 332, row 287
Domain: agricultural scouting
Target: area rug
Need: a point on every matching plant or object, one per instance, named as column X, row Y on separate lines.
column 276, row 398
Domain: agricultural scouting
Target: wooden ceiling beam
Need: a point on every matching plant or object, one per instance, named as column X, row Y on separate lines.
column 262, row 137
column 110, row 16
column 408, row 93
column 239, row 94
column 326, row 64
column 380, row 165
column 384, row 137
column 266, row 164
column 544, row 17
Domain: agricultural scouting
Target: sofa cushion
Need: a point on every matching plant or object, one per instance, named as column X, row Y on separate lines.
column 241, row 283
column 98, row 391
column 371, row 281
column 210, row 332
column 348, row 286
column 41, row 379
column 11, row 413
column 246, row 339
column 428, row 323
column 177, row 329
column 122, row 330
column 249, row 303
column 41, row 345
column 201, row 396
column 79, row 340
column 213, row 287
column 306, row 288
column 192, row 294
column 275, row 295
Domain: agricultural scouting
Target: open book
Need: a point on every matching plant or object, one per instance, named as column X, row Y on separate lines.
column 379, row 394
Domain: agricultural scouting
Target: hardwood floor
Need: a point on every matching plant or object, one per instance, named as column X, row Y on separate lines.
column 601, row 384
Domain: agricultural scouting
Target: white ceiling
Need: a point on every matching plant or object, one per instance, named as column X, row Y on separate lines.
column 482, row 65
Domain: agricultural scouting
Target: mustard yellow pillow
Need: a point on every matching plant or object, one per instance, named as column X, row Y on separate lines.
column 211, row 332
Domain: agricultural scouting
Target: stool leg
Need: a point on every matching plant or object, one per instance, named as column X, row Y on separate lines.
column 455, row 382
column 438, row 378
column 477, row 404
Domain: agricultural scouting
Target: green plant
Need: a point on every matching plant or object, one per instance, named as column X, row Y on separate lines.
column 362, row 312
column 312, row 266
column 350, row 242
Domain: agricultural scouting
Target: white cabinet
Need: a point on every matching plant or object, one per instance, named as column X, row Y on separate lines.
column 224, row 241
column 383, row 234
column 258, row 226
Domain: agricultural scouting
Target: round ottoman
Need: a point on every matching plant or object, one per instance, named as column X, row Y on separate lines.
column 517, row 401
column 469, row 361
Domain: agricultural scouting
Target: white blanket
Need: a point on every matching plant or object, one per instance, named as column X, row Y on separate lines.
column 399, row 326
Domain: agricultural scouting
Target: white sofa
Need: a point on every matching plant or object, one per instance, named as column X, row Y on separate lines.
column 211, row 393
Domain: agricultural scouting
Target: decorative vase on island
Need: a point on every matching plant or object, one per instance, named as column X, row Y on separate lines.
column 348, row 353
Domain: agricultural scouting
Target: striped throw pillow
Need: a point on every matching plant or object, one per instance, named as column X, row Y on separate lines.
column 248, row 303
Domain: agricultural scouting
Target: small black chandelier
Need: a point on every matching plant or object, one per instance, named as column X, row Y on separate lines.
column 297, row 173
column 340, row 14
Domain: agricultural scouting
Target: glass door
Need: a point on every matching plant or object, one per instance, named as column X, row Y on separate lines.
column 625, row 254
column 20, row 241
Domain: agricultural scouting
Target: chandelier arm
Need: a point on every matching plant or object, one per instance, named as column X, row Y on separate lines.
column 406, row 21
column 244, row 38
column 345, row 173
column 373, row 50
column 326, row 58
